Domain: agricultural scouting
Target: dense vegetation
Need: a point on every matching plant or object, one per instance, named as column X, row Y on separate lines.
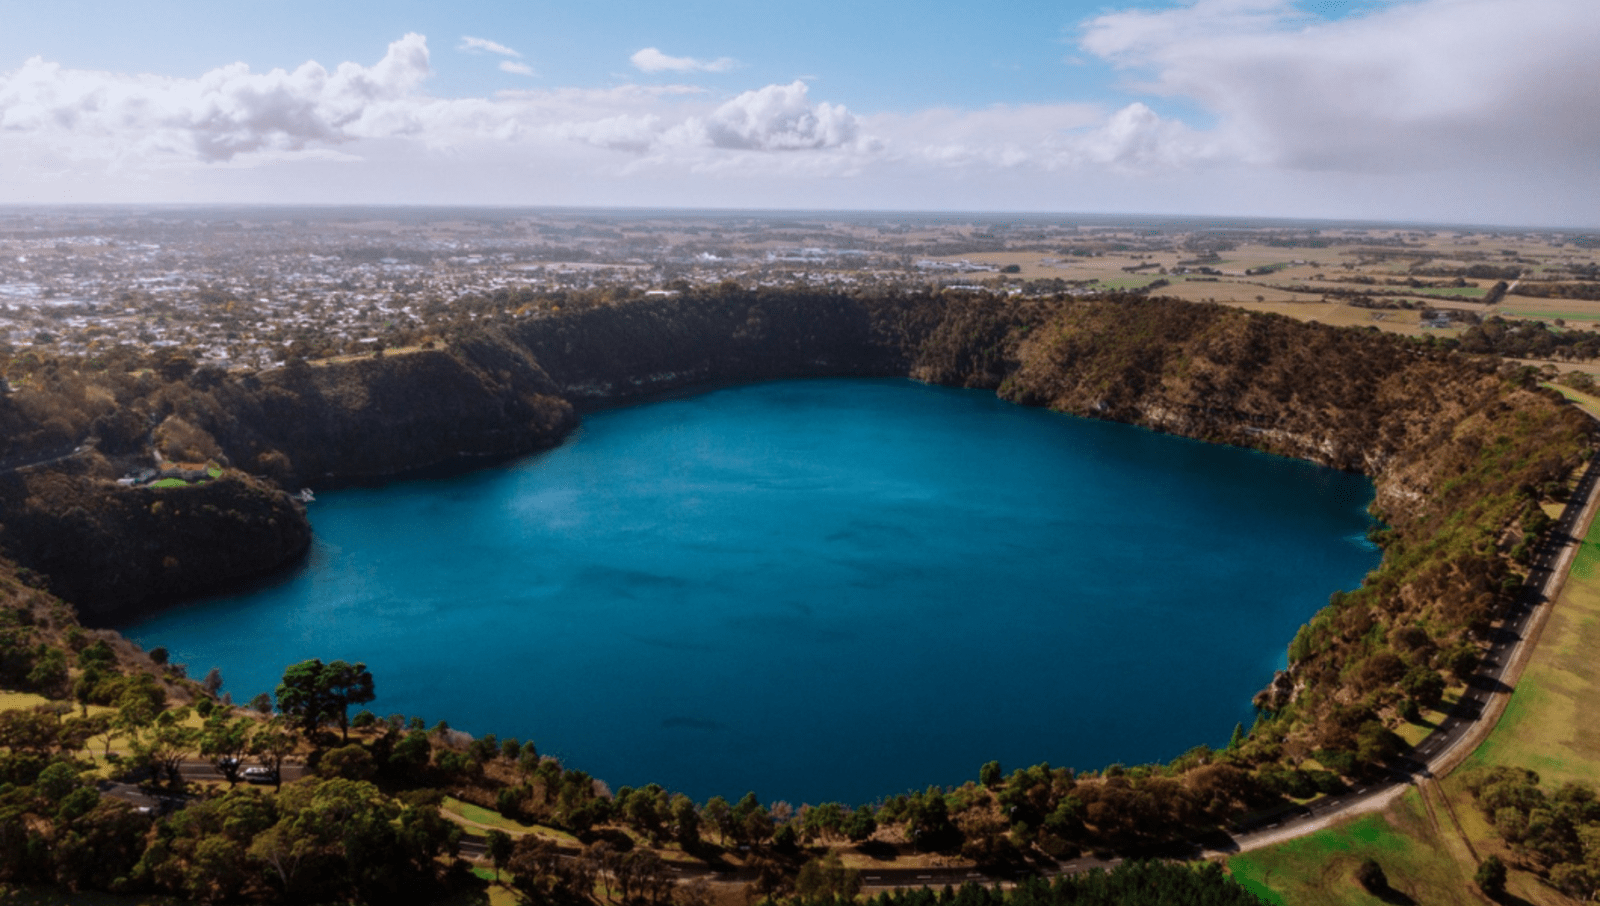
column 1541, row 290
column 1529, row 340
column 1555, row 834
column 1463, row 451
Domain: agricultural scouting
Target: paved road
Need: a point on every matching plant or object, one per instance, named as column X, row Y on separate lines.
column 40, row 459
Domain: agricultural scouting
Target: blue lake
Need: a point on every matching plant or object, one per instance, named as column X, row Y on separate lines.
column 817, row 590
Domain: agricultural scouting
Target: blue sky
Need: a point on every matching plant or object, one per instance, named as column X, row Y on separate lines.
column 1445, row 110
column 877, row 55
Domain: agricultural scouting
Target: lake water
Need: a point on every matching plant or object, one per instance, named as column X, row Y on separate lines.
column 817, row 590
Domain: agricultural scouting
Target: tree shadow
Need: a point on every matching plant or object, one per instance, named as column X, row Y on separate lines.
column 877, row 850
column 1393, row 897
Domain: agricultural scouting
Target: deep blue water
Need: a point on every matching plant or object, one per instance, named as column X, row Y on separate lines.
column 832, row 589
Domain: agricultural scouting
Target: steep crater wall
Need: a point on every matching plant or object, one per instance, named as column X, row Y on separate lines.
column 1461, row 450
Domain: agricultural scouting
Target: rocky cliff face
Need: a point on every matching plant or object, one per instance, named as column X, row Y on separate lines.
column 108, row 548
column 1413, row 418
column 379, row 417
column 615, row 354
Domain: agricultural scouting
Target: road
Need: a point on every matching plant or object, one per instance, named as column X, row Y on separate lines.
column 40, row 459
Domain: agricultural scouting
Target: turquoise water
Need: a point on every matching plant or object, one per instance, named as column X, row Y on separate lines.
column 817, row 590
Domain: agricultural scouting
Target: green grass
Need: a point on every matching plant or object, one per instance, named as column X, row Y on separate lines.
column 1550, row 315
column 19, row 701
column 1585, row 402
column 169, row 483
column 490, row 818
column 1319, row 869
column 1139, row 282
column 1548, row 723
column 1452, row 292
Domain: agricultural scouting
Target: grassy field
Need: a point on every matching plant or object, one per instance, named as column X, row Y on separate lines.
column 1453, row 292
column 1548, row 725
column 1319, row 869
column 1586, row 402
column 1532, row 314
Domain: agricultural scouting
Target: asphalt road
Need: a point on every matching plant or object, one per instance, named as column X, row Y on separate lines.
column 40, row 459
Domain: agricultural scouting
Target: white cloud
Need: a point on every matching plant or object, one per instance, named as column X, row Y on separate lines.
column 1424, row 109
column 232, row 114
column 225, row 112
column 484, row 45
column 1413, row 86
column 652, row 60
column 774, row 118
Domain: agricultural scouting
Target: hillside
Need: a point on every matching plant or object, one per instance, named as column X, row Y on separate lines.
column 1463, row 450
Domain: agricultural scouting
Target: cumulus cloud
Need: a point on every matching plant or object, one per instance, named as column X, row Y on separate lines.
column 774, row 118
column 484, row 45
column 652, row 60
column 232, row 114
column 1494, row 90
column 226, row 112
column 1414, row 85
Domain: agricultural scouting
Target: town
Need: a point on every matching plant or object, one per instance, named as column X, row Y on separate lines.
column 248, row 288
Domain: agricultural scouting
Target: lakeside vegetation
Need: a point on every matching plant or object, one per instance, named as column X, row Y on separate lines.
column 1465, row 453
column 1440, row 847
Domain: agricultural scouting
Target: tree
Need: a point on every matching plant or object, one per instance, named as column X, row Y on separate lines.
column 538, row 874
column 224, row 743
column 1424, row 685
column 719, row 815
column 314, row 693
column 272, row 744
column 166, row 744
column 826, row 878
column 497, row 846
column 861, row 824
column 1491, row 877
column 989, row 775
column 686, row 822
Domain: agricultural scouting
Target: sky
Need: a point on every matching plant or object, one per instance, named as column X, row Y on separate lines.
column 1442, row 111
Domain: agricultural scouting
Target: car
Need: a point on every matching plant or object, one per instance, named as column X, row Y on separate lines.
column 259, row 775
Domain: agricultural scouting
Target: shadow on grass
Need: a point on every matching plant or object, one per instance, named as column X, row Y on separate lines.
column 877, row 850
column 1393, row 897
